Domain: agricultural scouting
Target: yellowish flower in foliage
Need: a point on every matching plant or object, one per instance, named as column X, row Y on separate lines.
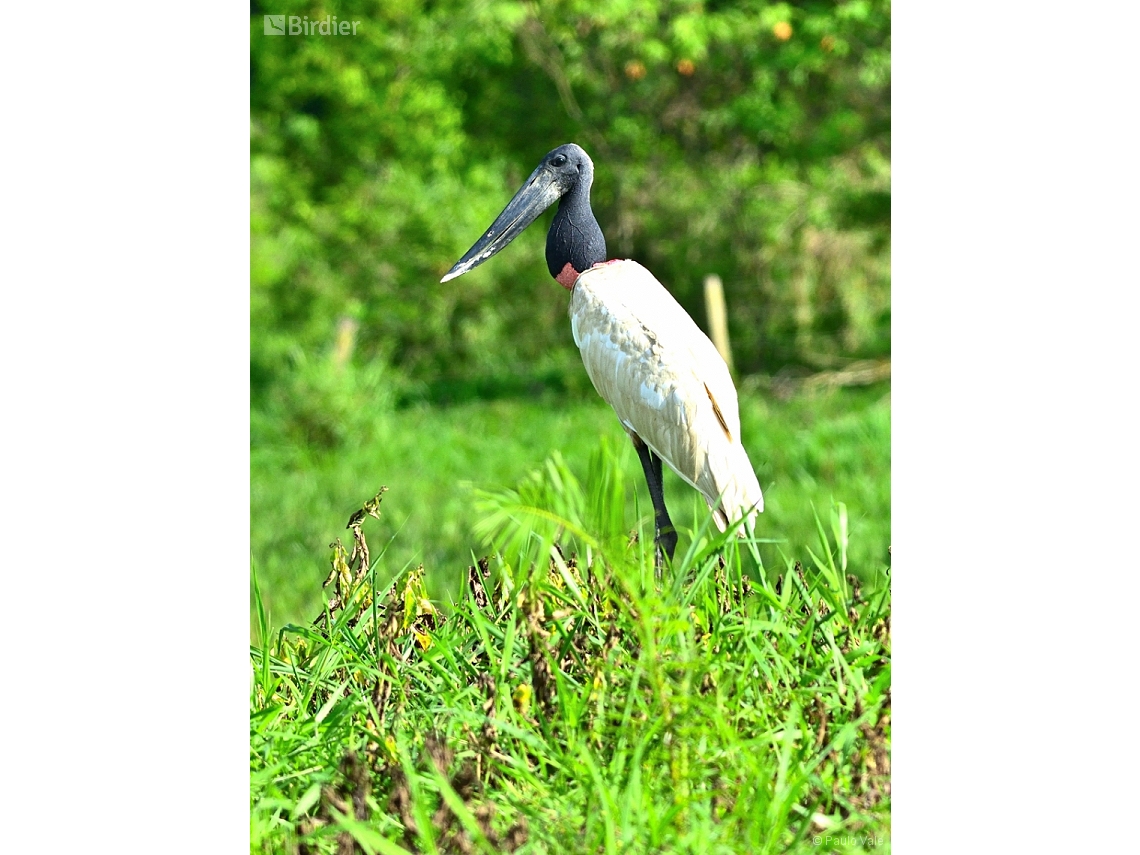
column 521, row 697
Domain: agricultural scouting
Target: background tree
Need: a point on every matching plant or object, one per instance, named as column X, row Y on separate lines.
column 746, row 139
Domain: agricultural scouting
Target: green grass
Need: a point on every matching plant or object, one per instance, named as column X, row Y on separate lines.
column 571, row 700
column 808, row 452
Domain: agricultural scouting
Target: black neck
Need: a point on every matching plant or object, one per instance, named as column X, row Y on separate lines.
column 575, row 237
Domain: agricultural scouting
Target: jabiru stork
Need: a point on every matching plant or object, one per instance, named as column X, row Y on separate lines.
column 665, row 380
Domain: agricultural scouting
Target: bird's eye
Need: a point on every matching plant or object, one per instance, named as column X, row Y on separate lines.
column 560, row 160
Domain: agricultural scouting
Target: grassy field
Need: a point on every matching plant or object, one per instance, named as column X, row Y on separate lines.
column 561, row 696
column 573, row 700
column 808, row 452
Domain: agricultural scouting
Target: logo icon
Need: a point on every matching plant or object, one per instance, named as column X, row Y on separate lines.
column 275, row 25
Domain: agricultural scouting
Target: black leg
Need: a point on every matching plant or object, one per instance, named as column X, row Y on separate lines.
column 666, row 538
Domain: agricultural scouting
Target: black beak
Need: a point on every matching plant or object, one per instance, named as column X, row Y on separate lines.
column 539, row 192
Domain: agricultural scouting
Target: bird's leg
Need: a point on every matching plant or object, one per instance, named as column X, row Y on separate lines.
column 666, row 536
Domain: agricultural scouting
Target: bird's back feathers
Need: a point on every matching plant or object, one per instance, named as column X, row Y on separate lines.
column 666, row 382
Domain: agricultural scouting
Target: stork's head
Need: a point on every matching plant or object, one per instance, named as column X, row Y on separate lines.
column 575, row 239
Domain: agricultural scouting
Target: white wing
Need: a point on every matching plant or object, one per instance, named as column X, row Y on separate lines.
column 666, row 382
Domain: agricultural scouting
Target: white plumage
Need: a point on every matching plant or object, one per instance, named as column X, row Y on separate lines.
column 666, row 382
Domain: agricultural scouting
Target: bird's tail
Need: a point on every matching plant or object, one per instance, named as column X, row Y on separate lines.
column 741, row 503
column 740, row 499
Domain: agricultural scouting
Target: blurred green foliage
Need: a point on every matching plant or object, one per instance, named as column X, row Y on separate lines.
column 809, row 452
column 747, row 139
